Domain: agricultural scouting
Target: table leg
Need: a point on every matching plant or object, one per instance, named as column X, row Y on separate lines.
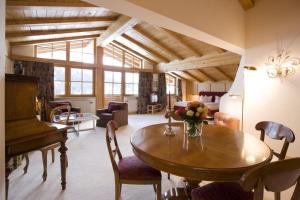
column 63, row 162
column 190, row 185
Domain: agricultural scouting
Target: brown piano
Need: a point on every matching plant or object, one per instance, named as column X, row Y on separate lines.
column 23, row 131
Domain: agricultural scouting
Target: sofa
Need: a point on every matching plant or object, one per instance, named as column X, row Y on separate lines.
column 117, row 111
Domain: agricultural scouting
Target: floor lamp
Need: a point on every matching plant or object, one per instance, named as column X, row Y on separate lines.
column 242, row 96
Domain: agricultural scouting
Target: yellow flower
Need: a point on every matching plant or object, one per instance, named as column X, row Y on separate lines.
column 197, row 114
column 199, row 109
column 190, row 113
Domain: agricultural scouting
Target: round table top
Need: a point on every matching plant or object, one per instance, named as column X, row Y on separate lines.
column 219, row 154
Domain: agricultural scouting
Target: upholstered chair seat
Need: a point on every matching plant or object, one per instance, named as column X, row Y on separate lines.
column 224, row 119
column 221, row 191
column 133, row 168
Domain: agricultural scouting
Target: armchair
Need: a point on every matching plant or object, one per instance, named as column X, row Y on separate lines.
column 117, row 111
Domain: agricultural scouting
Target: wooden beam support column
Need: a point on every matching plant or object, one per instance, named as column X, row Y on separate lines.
column 192, row 76
column 99, row 87
column 212, row 60
column 123, row 24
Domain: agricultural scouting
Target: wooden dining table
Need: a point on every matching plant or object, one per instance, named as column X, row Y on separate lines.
column 219, row 154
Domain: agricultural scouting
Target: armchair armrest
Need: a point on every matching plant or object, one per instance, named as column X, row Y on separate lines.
column 100, row 111
column 120, row 116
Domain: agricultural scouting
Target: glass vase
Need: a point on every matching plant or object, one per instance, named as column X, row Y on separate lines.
column 193, row 129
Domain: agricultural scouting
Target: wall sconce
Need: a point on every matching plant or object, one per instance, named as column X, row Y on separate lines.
column 281, row 65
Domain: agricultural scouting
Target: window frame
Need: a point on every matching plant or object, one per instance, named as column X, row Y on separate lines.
column 132, row 83
column 167, row 91
column 93, row 82
column 113, row 83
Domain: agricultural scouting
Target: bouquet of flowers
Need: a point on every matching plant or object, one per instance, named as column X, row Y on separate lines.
column 194, row 114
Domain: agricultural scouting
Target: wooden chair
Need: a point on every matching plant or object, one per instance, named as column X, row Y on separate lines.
column 275, row 177
column 44, row 150
column 129, row 170
column 278, row 132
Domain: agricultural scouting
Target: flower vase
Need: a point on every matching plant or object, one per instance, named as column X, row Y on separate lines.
column 193, row 129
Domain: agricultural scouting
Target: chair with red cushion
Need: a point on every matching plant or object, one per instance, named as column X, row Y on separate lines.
column 129, row 170
column 274, row 177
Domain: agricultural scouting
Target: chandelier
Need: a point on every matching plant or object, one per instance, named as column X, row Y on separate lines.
column 281, row 64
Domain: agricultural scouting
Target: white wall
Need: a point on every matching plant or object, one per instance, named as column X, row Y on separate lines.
column 217, row 22
column 2, row 71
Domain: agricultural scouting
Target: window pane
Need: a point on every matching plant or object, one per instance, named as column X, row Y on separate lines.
column 59, row 55
column 108, row 76
column 76, row 46
column 117, row 89
column 136, row 89
column 76, row 74
column 107, row 60
column 87, row 75
column 172, row 89
column 129, row 89
column 59, row 73
column 88, row 58
column 88, row 46
column 136, row 78
column 108, row 88
column 129, row 77
column 76, row 88
column 117, row 77
column 87, row 88
column 59, row 88
column 76, row 56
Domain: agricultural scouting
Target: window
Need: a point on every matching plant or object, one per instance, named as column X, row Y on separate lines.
column 55, row 50
column 113, row 56
column 59, row 81
column 82, row 81
column 112, row 83
column 132, row 61
column 82, row 51
column 170, row 84
column 131, row 83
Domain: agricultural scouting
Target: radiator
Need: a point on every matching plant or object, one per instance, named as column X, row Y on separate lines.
column 86, row 104
column 132, row 103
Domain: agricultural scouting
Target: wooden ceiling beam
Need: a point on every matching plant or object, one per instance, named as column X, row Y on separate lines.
column 180, row 41
column 192, row 76
column 53, row 32
column 52, row 40
column 133, row 51
column 22, row 4
column 211, row 60
column 247, row 4
column 49, row 21
column 157, row 43
column 206, row 75
column 177, row 75
column 120, row 26
column 140, row 45
column 223, row 73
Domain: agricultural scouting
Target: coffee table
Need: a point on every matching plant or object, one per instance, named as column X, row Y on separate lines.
column 77, row 118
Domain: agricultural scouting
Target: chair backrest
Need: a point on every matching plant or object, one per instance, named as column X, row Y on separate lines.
column 121, row 105
column 112, row 145
column 224, row 119
column 58, row 111
column 278, row 132
column 275, row 177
